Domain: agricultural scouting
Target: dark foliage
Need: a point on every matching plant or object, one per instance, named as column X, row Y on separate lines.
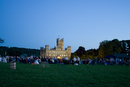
column 15, row 51
column 80, row 51
column 1, row 40
column 105, row 48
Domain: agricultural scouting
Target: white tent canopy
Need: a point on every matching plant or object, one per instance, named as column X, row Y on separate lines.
column 66, row 58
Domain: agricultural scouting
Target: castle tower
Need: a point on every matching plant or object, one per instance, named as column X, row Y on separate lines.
column 47, row 47
column 41, row 50
column 60, row 44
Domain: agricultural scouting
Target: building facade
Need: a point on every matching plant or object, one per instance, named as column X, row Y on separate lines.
column 56, row 52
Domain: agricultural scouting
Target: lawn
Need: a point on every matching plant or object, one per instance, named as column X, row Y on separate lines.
column 58, row 75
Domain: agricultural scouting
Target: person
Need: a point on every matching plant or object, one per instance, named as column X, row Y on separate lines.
column 4, row 60
column 61, row 61
column 0, row 59
column 39, row 60
column 129, row 62
column 10, row 59
column 36, row 61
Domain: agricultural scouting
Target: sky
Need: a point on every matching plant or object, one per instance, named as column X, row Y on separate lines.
column 36, row 23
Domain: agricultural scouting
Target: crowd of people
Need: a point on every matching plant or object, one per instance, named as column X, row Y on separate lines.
column 74, row 61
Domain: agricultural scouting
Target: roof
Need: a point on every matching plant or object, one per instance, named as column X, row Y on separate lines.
column 110, row 56
column 122, row 56
column 118, row 56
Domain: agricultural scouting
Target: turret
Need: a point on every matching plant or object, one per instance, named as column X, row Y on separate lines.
column 47, row 47
column 60, row 44
column 41, row 50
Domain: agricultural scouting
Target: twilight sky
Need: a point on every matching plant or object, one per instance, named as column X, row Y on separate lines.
column 36, row 23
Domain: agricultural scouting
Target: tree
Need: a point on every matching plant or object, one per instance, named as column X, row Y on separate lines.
column 101, row 52
column 1, row 40
column 15, row 51
column 3, row 50
column 109, row 47
column 104, row 48
column 116, row 45
column 80, row 51
column 91, row 53
column 73, row 55
column 125, row 46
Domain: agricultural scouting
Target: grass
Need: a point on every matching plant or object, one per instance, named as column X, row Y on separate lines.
column 58, row 75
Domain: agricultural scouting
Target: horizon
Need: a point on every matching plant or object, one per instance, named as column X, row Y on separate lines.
column 54, row 46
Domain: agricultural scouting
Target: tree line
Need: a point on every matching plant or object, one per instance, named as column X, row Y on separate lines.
column 105, row 48
column 15, row 51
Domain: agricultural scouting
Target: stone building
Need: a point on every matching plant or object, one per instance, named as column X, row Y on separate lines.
column 56, row 52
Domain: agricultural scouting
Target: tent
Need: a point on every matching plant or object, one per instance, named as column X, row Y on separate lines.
column 110, row 56
column 122, row 56
column 66, row 58
column 118, row 56
column 23, row 55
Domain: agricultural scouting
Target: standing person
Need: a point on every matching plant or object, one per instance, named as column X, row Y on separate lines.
column 4, row 60
column 78, row 59
column 39, row 60
column 10, row 59
column 129, row 62
column 0, row 59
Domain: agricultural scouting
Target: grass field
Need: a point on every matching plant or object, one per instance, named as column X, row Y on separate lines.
column 58, row 75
